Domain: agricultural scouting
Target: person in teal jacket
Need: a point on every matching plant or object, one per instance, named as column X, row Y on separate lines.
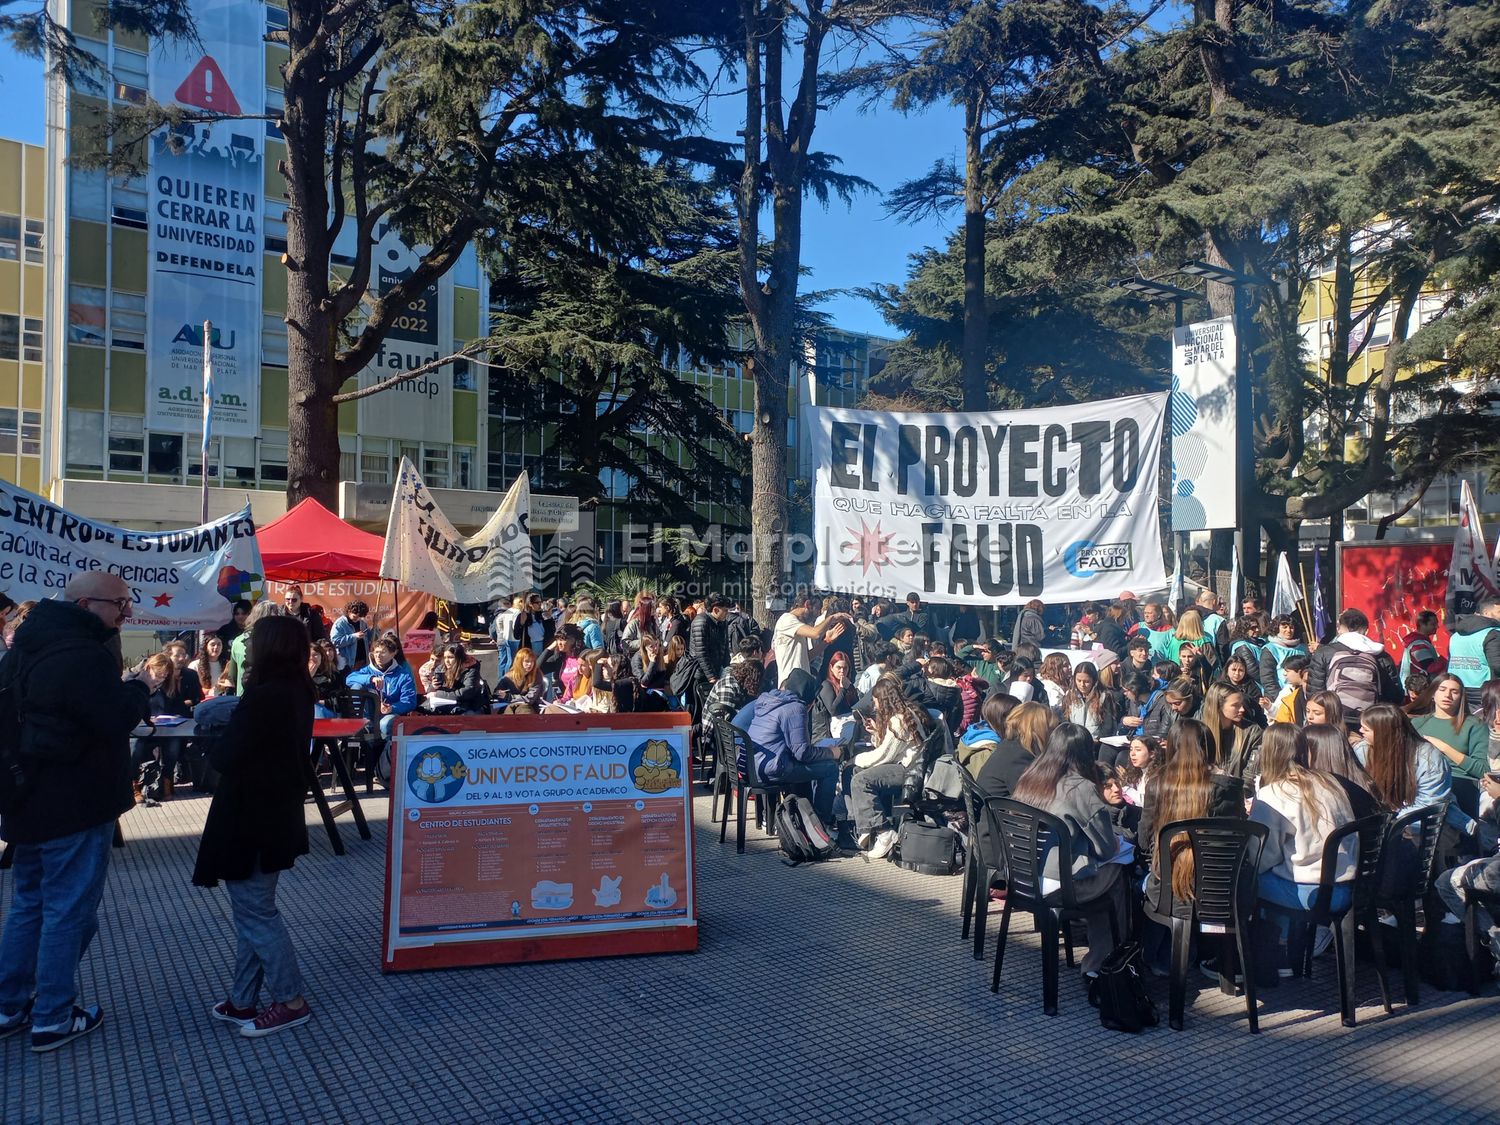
column 1474, row 649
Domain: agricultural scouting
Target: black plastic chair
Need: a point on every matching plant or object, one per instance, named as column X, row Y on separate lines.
column 1370, row 833
column 745, row 783
column 1226, row 868
column 1400, row 891
column 721, row 738
column 1481, row 906
column 984, row 866
column 1026, row 835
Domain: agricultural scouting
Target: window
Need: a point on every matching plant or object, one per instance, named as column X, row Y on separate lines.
column 435, row 467
column 164, row 455
column 463, row 371
column 237, row 459
column 276, row 20
column 275, row 103
column 375, row 461
column 273, row 455
column 275, row 227
column 88, row 194
column 127, row 324
column 85, row 440
column 127, row 205
column 127, row 444
column 273, row 341
column 31, row 340
column 10, row 238
column 463, row 468
column 86, row 315
column 195, row 458
column 743, row 421
column 36, row 230
column 129, row 76
column 10, row 336
column 30, row 432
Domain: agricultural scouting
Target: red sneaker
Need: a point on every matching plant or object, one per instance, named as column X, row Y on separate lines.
column 278, row 1017
column 240, row 1017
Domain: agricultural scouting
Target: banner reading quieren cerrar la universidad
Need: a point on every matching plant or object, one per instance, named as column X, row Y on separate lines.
column 994, row 508
column 180, row 579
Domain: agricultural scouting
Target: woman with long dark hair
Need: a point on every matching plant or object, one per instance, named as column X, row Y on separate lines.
column 897, row 730
column 1064, row 781
column 1407, row 770
column 256, row 829
column 1088, row 704
column 836, row 696
column 1235, row 740
column 1462, row 740
column 1328, row 751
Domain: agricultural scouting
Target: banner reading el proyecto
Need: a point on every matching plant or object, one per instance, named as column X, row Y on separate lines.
column 183, row 579
column 996, row 508
column 423, row 550
column 204, row 220
column 524, row 834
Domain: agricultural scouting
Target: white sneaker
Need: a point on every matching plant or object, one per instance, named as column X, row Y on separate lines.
column 884, row 843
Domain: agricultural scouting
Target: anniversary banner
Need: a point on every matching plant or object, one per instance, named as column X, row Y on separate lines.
column 424, row 552
column 183, row 579
column 996, row 508
column 204, row 238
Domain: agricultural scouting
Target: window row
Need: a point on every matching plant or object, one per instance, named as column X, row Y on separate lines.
column 20, row 432
column 20, row 338
column 21, row 238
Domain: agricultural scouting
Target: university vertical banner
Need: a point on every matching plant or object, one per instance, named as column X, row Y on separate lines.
column 181, row 579
column 204, row 233
column 423, row 550
column 1202, row 408
column 995, row 508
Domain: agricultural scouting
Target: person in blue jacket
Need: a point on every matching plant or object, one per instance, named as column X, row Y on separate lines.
column 389, row 676
column 776, row 721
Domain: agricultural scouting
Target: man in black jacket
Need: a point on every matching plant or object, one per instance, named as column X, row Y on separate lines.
column 708, row 638
column 76, row 717
column 1381, row 685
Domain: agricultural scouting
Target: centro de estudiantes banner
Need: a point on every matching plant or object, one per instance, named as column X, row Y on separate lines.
column 187, row 578
column 204, row 235
column 997, row 508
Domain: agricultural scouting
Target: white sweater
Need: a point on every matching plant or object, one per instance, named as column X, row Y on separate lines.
column 896, row 746
column 1294, row 848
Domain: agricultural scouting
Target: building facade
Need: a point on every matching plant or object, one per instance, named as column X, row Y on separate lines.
column 23, row 301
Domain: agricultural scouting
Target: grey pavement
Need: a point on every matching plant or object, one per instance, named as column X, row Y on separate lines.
column 828, row 993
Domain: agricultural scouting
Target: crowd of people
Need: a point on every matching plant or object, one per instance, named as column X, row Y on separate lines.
column 1152, row 715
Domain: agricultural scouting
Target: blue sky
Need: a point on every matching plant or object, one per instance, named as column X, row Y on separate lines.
column 844, row 246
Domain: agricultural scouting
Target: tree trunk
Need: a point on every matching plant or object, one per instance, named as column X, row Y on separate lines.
column 976, row 320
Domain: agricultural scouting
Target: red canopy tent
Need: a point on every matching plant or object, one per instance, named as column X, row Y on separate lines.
column 311, row 544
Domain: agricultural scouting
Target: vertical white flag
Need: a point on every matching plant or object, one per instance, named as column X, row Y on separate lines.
column 1471, row 574
column 1285, row 597
column 1234, row 579
column 1175, row 596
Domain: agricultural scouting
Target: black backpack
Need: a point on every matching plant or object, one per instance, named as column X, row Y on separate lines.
column 1123, row 1002
column 800, row 833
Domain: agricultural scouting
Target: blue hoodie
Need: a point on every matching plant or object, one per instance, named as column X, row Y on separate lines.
column 400, row 690
column 776, row 722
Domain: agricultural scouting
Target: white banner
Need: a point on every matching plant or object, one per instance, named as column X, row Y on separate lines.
column 990, row 509
column 205, row 209
column 184, row 579
column 1470, row 574
column 425, row 553
column 1202, row 406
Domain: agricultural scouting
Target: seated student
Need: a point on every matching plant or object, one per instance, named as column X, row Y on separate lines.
column 648, row 667
column 971, row 690
column 889, row 661
column 739, row 684
column 589, row 694
column 1482, row 874
column 1027, row 728
column 1178, row 701
column 944, row 690
column 1246, row 642
column 1285, row 640
column 1291, row 703
column 458, row 675
column 1064, row 781
column 1236, row 741
column 776, row 721
column 1326, row 708
column 1125, row 816
column 1138, row 769
column 1301, row 807
column 1462, row 740
column 389, row 676
column 1237, row 675
column 322, row 666
column 1088, row 704
column 1409, row 774
column 520, row 690
column 1020, row 683
column 1184, row 788
column 836, row 697
column 1329, row 751
column 898, row 730
column 558, row 660
column 155, row 759
column 1143, row 695
column 983, row 736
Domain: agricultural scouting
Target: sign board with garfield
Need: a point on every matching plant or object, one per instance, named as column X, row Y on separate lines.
column 539, row 837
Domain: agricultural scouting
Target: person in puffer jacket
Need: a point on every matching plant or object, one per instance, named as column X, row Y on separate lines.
column 776, row 721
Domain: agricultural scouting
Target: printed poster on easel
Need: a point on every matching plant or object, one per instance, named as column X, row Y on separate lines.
column 534, row 838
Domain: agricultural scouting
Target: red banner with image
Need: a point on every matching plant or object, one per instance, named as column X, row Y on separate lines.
column 1392, row 583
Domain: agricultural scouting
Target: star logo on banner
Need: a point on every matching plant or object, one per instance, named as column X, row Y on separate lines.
column 163, row 599
column 870, row 547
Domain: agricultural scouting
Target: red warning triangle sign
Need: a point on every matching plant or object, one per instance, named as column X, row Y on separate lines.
column 206, row 88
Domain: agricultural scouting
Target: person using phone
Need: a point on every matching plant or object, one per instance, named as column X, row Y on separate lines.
column 1481, row 874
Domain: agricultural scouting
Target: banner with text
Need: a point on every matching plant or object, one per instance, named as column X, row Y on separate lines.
column 570, row 830
column 1204, row 439
column 183, row 579
column 204, row 216
column 996, row 508
column 424, row 552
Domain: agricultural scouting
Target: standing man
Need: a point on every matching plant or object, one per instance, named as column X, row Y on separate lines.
column 793, row 638
column 708, row 637
column 310, row 618
column 1473, row 649
column 75, row 754
column 1213, row 621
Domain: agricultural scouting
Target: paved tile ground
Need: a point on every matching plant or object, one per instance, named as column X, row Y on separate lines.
column 833, row 993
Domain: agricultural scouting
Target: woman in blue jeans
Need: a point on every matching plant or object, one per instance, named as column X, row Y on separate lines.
column 255, row 828
column 1301, row 807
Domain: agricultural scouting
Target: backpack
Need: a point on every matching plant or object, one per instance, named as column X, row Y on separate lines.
column 1123, row 1002
column 1355, row 678
column 800, row 833
column 743, row 627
